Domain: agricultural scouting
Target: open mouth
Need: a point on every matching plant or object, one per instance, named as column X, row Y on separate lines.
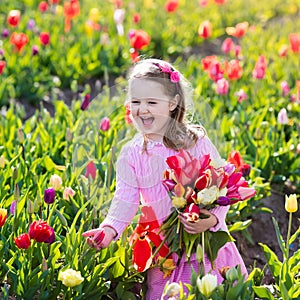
column 147, row 121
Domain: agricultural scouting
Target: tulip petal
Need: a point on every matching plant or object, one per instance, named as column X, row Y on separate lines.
column 142, row 255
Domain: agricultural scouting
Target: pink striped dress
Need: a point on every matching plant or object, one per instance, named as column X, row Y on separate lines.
column 139, row 182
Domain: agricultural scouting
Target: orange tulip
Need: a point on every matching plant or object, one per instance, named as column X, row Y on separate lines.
column 295, row 42
column 19, row 40
column 239, row 30
column 71, row 10
column 13, row 18
column 233, row 69
column 205, row 29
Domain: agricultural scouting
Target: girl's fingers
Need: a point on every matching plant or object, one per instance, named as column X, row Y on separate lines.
column 91, row 232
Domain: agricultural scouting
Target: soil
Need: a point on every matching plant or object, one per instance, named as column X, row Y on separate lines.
column 262, row 230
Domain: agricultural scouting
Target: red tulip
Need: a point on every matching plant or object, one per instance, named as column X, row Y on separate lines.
column 295, row 42
column 139, row 39
column 13, row 18
column 136, row 18
column 23, row 241
column 220, row 2
column 40, row 231
column 2, row 66
column 43, row 6
column 91, row 170
column 45, row 38
column 54, row 2
column 19, row 40
column 171, row 5
column 205, row 29
column 192, row 212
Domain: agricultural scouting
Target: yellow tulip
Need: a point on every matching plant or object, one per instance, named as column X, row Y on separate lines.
column 94, row 15
column 70, row 277
column 291, row 204
column 2, row 162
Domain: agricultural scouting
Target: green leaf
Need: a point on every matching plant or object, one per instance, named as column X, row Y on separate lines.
column 263, row 292
column 238, row 226
column 279, row 237
column 214, row 241
column 48, row 163
column 273, row 262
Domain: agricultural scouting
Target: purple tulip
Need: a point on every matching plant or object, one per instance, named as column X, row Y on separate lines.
column 86, row 102
column 31, row 24
column 35, row 50
column 49, row 195
column 12, row 208
column 169, row 184
column 5, row 32
column 223, row 201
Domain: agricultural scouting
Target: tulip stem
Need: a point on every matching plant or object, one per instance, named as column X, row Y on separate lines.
column 288, row 236
column 203, row 250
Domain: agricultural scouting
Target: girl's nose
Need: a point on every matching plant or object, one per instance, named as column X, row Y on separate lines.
column 143, row 108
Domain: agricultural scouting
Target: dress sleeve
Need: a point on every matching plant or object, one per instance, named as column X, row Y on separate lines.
column 126, row 198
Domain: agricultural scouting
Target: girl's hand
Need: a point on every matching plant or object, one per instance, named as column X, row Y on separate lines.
column 200, row 225
column 100, row 237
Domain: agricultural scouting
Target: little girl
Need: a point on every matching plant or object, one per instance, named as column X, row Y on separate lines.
column 158, row 99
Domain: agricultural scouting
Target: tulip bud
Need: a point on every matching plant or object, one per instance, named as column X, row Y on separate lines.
column 15, row 173
column 12, row 208
column 17, row 192
column 44, row 265
column 232, row 274
column 68, row 135
column 68, row 191
column 21, row 137
column 30, row 207
column 2, row 162
column 257, row 134
column 199, row 253
column 291, row 204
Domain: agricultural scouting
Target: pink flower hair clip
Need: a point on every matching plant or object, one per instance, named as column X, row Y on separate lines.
column 174, row 75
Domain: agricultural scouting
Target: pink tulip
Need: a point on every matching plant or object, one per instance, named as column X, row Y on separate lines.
column 222, row 86
column 105, row 124
column 282, row 117
column 91, row 170
column 285, row 89
column 246, row 192
column 227, row 45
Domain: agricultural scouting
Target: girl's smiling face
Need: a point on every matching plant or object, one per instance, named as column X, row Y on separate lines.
column 150, row 107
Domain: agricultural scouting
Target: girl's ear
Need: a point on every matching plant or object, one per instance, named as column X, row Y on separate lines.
column 174, row 102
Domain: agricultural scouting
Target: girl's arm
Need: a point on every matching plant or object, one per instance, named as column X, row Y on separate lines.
column 123, row 206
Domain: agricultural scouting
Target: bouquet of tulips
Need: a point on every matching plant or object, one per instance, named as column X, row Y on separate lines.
column 194, row 184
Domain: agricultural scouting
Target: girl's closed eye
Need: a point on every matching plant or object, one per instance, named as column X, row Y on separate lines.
column 135, row 101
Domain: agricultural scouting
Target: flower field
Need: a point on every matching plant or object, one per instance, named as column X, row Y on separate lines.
column 62, row 87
